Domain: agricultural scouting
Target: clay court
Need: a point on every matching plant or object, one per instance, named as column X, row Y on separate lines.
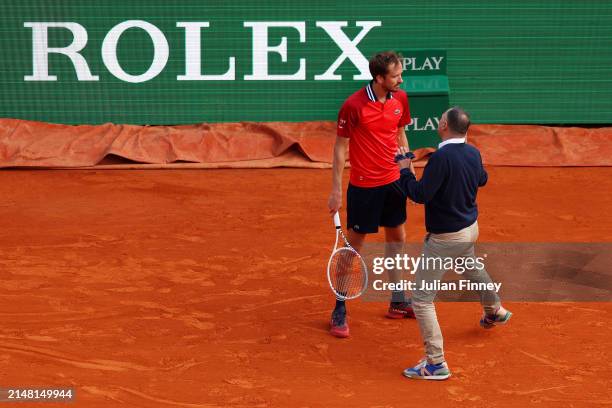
column 165, row 169
column 206, row 288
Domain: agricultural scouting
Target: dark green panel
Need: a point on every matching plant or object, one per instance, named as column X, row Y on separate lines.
column 507, row 62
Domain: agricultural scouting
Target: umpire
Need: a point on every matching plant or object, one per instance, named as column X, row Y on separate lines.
column 448, row 189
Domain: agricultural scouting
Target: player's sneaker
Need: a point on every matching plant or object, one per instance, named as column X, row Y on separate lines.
column 400, row 310
column 501, row 316
column 339, row 326
column 425, row 371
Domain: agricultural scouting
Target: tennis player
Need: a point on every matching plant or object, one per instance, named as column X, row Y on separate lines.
column 448, row 189
column 371, row 123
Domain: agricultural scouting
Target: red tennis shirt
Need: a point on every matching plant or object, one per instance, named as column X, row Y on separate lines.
column 372, row 129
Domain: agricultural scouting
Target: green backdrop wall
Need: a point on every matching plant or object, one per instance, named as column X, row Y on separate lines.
column 525, row 61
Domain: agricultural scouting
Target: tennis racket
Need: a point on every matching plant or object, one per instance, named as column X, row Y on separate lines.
column 346, row 271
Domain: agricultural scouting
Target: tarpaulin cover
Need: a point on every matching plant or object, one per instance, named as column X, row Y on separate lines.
column 272, row 144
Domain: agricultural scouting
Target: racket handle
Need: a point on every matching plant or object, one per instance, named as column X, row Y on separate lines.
column 337, row 220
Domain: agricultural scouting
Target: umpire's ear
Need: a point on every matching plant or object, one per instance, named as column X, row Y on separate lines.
column 443, row 124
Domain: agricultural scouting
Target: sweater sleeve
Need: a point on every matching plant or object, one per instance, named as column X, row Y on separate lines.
column 424, row 190
column 484, row 176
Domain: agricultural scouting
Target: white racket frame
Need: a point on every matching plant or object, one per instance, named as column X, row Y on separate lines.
column 347, row 247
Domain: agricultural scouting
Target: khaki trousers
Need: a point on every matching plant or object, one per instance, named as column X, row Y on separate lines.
column 454, row 245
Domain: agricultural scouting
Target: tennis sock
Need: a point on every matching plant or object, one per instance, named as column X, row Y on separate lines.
column 398, row 296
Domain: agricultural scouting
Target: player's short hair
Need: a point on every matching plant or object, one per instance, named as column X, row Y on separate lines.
column 379, row 63
column 458, row 120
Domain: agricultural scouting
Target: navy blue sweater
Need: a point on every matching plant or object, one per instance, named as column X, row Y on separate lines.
column 448, row 187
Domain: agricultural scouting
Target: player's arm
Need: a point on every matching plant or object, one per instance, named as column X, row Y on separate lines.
column 335, row 198
column 402, row 139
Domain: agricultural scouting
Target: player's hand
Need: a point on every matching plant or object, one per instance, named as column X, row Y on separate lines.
column 334, row 203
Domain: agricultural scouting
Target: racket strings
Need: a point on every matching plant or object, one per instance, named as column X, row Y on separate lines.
column 347, row 273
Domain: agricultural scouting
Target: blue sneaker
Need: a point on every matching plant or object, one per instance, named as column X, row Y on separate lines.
column 501, row 316
column 425, row 371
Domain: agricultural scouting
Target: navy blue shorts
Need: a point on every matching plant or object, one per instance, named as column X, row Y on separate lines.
column 369, row 208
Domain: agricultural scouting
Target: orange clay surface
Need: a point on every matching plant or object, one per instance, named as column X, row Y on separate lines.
column 207, row 288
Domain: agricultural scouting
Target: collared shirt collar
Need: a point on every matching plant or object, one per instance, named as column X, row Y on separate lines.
column 372, row 96
column 454, row 140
